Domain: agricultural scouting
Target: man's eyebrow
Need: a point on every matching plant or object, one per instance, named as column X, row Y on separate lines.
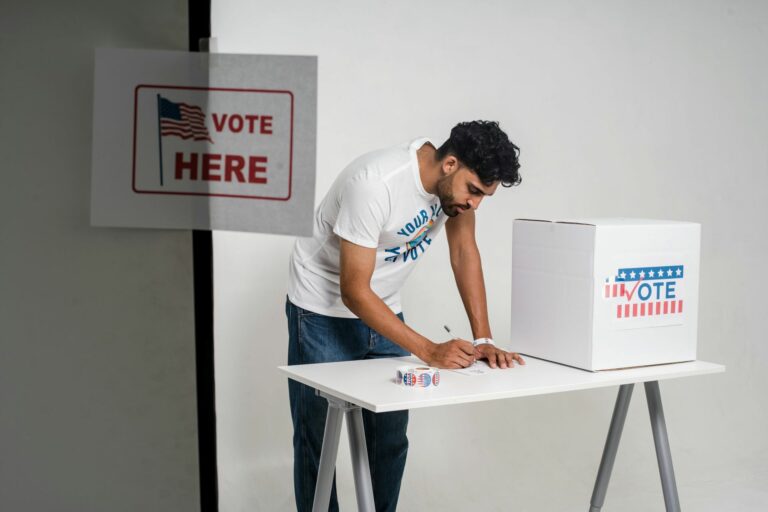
column 480, row 188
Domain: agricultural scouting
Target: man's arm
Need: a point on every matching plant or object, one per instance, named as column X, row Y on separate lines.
column 468, row 271
column 357, row 266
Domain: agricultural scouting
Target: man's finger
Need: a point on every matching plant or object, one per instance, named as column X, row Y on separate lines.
column 448, row 364
column 466, row 359
column 462, row 363
column 458, row 351
column 518, row 358
column 466, row 347
column 502, row 359
column 453, row 362
column 509, row 358
column 492, row 360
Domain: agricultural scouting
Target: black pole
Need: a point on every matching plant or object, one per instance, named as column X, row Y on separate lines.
column 202, row 255
column 202, row 250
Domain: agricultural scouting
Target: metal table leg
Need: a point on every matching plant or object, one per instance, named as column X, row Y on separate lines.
column 360, row 464
column 328, row 455
column 359, row 452
column 611, row 446
column 663, row 453
column 660, row 440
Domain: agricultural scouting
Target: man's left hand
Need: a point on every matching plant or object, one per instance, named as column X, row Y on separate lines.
column 497, row 357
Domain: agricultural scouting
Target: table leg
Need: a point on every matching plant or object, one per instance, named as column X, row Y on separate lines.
column 611, row 446
column 328, row 455
column 360, row 465
column 358, row 450
column 663, row 453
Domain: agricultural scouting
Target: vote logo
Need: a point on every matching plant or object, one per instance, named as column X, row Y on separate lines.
column 417, row 232
column 213, row 142
column 646, row 291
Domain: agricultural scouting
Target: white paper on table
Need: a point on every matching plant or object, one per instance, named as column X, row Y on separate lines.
column 477, row 368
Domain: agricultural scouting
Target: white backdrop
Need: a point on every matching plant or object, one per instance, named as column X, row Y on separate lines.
column 621, row 109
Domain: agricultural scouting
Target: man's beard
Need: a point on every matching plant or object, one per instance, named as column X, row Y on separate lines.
column 446, row 197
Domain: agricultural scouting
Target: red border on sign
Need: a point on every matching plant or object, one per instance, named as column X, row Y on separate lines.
column 135, row 117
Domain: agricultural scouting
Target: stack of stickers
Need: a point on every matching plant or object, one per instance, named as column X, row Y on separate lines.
column 418, row 377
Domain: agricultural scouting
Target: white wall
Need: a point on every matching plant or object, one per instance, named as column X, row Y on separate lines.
column 647, row 109
column 97, row 383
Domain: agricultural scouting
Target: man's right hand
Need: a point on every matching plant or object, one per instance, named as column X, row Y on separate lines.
column 452, row 354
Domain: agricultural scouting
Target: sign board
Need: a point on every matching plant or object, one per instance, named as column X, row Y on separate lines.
column 204, row 141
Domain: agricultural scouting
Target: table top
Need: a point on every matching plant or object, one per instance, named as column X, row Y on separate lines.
column 370, row 383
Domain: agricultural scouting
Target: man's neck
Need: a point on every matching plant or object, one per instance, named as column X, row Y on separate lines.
column 429, row 167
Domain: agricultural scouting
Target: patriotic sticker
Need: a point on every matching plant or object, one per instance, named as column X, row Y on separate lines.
column 421, row 377
column 649, row 296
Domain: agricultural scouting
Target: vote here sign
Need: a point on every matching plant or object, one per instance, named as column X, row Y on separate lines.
column 204, row 141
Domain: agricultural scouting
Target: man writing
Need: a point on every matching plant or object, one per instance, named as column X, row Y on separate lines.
column 376, row 222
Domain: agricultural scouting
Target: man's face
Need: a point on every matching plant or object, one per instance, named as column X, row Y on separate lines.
column 461, row 190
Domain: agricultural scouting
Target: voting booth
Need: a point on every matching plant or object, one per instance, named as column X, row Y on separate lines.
column 600, row 294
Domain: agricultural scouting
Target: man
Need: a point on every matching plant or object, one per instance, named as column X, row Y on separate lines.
column 375, row 223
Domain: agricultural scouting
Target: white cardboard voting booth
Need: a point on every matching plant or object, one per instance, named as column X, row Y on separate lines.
column 600, row 294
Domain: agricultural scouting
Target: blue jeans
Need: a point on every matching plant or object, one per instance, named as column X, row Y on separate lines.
column 315, row 338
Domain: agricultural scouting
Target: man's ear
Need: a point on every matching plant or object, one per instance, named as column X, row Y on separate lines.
column 449, row 165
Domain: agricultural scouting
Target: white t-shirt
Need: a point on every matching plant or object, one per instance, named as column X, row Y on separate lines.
column 378, row 201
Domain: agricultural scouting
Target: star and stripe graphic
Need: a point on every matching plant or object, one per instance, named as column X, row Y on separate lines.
column 182, row 120
column 625, row 284
column 179, row 119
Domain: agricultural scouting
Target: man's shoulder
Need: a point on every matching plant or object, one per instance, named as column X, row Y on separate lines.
column 380, row 164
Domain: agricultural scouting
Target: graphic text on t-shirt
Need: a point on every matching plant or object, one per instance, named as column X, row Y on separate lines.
column 417, row 230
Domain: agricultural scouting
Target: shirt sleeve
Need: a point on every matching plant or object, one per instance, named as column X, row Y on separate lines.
column 363, row 211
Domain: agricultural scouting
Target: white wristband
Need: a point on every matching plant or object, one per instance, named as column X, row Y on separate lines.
column 480, row 341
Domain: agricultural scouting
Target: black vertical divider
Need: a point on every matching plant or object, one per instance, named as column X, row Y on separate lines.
column 199, row 13
column 202, row 250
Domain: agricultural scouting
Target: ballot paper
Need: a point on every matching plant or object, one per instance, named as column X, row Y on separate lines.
column 477, row 368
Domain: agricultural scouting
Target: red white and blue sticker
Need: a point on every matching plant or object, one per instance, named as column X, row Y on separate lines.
column 421, row 377
column 649, row 292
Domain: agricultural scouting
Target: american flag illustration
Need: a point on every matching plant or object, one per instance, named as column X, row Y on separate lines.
column 645, row 291
column 182, row 120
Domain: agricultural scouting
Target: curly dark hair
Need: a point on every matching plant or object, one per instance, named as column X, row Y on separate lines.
column 485, row 148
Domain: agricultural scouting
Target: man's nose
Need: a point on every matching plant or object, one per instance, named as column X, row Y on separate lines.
column 474, row 203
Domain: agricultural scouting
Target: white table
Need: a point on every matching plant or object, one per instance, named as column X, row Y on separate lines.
column 369, row 384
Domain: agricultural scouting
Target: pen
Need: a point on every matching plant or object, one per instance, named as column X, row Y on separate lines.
column 448, row 330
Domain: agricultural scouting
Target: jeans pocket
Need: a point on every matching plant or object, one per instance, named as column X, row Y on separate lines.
column 325, row 339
